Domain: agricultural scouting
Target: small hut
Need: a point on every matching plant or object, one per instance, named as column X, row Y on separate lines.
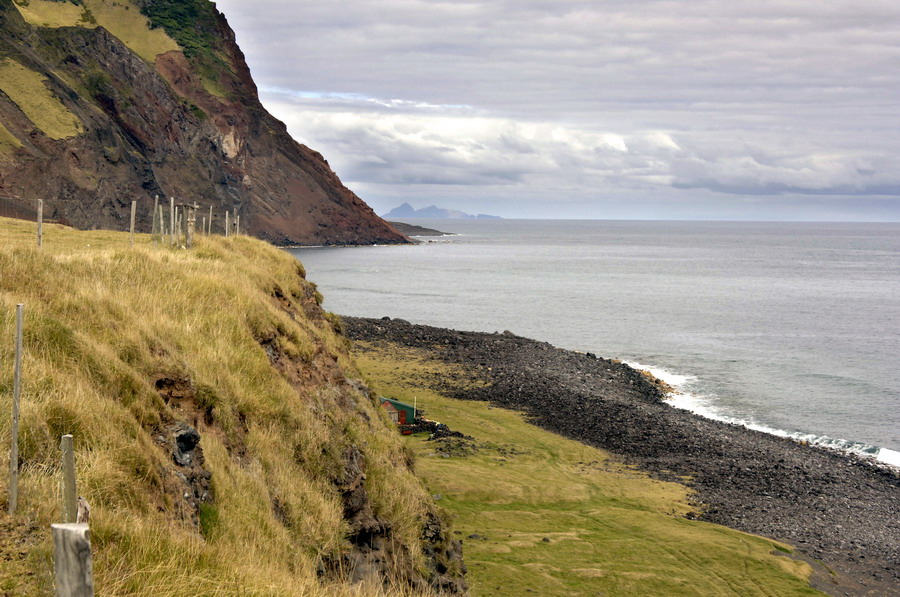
column 400, row 412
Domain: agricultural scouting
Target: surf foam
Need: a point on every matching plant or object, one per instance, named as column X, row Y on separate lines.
column 705, row 406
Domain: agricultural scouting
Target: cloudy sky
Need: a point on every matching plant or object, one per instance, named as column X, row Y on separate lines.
column 784, row 109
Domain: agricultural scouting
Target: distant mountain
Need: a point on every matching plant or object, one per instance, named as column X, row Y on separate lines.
column 432, row 211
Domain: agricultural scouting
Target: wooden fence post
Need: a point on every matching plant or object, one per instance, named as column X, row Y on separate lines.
column 40, row 223
column 70, row 495
column 209, row 228
column 237, row 224
column 72, row 560
column 234, row 220
column 133, row 212
column 154, row 226
column 226, row 223
column 190, row 220
column 172, row 218
column 14, row 444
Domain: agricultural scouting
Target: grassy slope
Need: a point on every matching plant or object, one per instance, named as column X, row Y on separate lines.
column 26, row 88
column 8, row 141
column 104, row 320
column 611, row 530
column 120, row 17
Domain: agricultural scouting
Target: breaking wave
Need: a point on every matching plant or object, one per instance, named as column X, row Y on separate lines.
column 706, row 406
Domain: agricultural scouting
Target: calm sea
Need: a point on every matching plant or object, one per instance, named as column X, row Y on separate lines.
column 790, row 328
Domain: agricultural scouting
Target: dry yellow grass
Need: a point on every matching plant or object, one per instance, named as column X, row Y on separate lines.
column 103, row 320
column 26, row 88
column 8, row 141
column 122, row 18
column 46, row 13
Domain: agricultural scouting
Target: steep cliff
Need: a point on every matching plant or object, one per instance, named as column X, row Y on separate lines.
column 107, row 101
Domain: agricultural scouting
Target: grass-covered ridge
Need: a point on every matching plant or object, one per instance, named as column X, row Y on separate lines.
column 124, row 344
column 550, row 516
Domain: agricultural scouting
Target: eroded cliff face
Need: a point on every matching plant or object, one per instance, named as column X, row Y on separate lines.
column 113, row 126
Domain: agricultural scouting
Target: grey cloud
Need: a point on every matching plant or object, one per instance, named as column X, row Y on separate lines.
column 778, row 97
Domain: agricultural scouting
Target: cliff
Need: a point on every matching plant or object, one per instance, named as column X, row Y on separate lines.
column 107, row 101
column 223, row 437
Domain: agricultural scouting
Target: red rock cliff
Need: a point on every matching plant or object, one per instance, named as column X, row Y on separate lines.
column 189, row 125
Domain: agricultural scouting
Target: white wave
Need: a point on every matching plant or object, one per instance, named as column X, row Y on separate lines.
column 705, row 406
column 889, row 457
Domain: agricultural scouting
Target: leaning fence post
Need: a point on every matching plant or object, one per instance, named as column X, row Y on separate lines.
column 72, row 560
column 133, row 212
column 14, row 444
column 70, row 497
column 209, row 229
column 40, row 223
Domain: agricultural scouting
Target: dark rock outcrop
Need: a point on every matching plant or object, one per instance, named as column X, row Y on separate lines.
column 188, row 127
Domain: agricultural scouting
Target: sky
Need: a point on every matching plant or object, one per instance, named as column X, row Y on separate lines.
column 608, row 109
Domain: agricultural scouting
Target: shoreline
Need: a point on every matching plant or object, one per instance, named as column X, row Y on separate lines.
column 676, row 397
column 837, row 510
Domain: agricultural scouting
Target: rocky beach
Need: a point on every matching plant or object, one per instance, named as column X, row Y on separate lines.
column 840, row 512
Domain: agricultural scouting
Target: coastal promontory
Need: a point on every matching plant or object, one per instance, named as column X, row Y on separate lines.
column 104, row 103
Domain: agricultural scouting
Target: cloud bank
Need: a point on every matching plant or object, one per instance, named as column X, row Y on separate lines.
column 583, row 108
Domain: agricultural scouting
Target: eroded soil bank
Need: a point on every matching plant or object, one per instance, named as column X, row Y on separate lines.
column 840, row 512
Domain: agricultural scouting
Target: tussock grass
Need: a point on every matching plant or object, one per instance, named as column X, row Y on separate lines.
column 103, row 322
column 557, row 517
column 26, row 88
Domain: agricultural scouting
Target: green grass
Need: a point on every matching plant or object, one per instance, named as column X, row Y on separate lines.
column 609, row 529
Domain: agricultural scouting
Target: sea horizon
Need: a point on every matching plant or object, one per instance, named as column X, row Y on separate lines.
column 728, row 307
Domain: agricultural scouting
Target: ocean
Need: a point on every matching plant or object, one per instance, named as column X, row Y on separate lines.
column 790, row 328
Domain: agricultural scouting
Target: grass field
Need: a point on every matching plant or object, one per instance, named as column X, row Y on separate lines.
column 550, row 516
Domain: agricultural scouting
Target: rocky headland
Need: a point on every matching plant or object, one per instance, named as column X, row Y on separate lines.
column 839, row 511
column 138, row 98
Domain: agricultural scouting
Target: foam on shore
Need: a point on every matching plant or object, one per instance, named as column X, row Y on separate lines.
column 705, row 406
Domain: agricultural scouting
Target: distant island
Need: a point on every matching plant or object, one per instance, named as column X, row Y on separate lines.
column 432, row 211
